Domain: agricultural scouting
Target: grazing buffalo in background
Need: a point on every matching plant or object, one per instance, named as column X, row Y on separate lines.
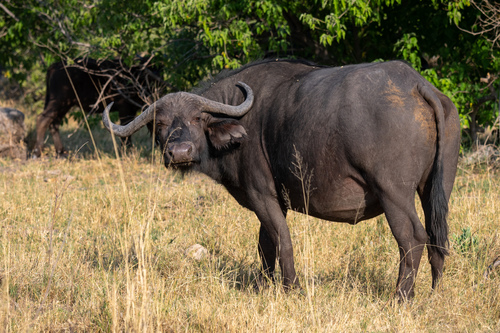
column 370, row 136
column 94, row 82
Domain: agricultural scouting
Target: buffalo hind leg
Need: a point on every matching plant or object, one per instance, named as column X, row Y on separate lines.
column 437, row 263
column 435, row 254
column 411, row 238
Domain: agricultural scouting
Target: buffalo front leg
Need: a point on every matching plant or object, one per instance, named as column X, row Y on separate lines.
column 275, row 241
column 42, row 124
column 267, row 253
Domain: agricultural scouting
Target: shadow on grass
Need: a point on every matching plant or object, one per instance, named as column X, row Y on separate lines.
column 369, row 280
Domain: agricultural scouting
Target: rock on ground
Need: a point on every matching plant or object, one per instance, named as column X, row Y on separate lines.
column 12, row 134
column 197, row 252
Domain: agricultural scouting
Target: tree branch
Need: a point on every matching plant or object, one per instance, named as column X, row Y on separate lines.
column 489, row 21
column 5, row 9
column 475, row 109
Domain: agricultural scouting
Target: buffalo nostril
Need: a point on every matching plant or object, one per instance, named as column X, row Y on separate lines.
column 180, row 153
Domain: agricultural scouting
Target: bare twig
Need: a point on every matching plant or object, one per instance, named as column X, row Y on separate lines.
column 5, row 9
column 488, row 22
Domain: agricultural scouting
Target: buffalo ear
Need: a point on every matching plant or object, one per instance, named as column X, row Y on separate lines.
column 225, row 133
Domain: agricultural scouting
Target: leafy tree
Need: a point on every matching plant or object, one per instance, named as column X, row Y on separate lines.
column 474, row 77
column 191, row 39
column 199, row 36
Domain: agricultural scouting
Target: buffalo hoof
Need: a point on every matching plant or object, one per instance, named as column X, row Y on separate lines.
column 36, row 153
column 402, row 296
column 294, row 289
column 62, row 154
column 262, row 283
column 299, row 291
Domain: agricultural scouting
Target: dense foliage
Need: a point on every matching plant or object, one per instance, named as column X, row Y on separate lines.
column 191, row 39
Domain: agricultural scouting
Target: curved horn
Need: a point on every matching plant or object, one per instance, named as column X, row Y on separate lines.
column 229, row 110
column 148, row 114
column 132, row 127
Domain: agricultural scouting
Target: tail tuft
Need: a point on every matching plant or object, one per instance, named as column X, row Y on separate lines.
column 438, row 228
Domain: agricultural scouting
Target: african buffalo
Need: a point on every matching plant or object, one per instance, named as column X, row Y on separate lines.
column 369, row 137
column 94, row 82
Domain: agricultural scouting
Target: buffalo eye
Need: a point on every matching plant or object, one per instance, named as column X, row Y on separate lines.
column 158, row 135
column 160, row 130
column 195, row 120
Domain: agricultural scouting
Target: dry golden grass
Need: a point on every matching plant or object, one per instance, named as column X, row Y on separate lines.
column 96, row 243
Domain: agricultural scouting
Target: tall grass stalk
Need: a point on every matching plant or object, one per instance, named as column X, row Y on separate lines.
column 304, row 176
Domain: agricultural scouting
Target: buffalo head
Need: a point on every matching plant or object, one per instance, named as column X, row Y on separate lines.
column 188, row 126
